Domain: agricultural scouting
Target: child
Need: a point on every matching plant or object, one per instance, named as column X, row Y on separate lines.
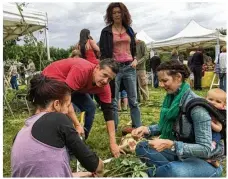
column 217, row 98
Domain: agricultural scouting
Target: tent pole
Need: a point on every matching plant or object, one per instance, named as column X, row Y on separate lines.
column 47, row 39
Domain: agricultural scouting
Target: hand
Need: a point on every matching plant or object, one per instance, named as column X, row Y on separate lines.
column 80, row 130
column 161, row 144
column 134, row 63
column 139, row 132
column 115, row 149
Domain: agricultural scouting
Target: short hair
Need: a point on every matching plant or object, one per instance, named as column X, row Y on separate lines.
column 173, row 67
column 200, row 49
column 43, row 90
column 126, row 17
column 223, row 49
column 174, row 52
column 111, row 63
column 75, row 53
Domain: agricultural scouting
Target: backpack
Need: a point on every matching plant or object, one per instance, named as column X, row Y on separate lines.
column 183, row 126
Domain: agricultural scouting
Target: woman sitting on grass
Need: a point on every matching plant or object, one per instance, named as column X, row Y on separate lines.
column 174, row 158
column 41, row 147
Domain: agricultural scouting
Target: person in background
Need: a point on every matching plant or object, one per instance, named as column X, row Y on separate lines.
column 86, row 78
column 191, row 77
column 222, row 66
column 155, row 61
column 40, row 148
column 22, row 74
column 142, row 56
column 13, row 76
column 117, row 41
column 88, row 46
column 197, row 66
column 173, row 157
column 174, row 55
column 31, row 68
column 75, row 53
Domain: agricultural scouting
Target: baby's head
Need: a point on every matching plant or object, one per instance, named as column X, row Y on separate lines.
column 217, row 98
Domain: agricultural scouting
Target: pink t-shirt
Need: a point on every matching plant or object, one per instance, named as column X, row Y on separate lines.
column 121, row 47
column 78, row 75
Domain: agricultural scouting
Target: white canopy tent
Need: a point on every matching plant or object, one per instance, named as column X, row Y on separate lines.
column 144, row 37
column 17, row 24
column 192, row 36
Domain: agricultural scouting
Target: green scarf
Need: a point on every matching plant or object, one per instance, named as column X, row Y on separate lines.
column 170, row 111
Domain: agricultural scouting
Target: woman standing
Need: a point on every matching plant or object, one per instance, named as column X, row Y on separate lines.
column 117, row 41
column 41, row 147
column 173, row 157
column 88, row 47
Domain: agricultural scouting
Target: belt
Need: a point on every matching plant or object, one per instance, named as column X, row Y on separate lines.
column 125, row 63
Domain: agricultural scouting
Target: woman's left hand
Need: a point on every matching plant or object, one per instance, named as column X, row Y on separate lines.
column 134, row 63
column 161, row 144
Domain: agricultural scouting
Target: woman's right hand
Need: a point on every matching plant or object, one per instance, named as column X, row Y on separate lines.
column 140, row 132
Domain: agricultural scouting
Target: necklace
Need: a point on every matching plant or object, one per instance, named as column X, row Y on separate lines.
column 118, row 30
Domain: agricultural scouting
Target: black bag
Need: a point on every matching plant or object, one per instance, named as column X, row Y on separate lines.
column 183, row 127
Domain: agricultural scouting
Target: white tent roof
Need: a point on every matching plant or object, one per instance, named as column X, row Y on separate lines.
column 144, row 37
column 193, row 35
column 13, row 25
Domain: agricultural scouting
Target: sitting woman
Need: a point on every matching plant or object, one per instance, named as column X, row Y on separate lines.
column 172, row 157
column 41, row 147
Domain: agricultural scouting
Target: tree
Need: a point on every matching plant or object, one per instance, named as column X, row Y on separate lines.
column 222, row 31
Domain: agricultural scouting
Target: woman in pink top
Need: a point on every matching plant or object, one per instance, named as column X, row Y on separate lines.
column 117, row 41
column 88, row 46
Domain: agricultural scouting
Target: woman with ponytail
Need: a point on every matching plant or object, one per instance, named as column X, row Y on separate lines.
column 171, row 156
column 41, row 147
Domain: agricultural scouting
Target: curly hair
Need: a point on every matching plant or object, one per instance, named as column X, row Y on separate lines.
column 173, row 67
column 126, row 17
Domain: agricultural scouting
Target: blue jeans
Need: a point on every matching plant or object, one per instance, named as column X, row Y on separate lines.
column 168, row 165
column 222, row 78
column 13, row 82
column 155, row 80
column 85, row 103
column 128, row 76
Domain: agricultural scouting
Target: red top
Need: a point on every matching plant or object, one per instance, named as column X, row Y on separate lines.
column 91, row 57
column 78, row 75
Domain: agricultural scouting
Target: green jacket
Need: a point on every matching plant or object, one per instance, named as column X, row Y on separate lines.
column 142, row 55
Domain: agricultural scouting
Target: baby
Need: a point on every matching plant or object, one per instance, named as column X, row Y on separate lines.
column 217, row 98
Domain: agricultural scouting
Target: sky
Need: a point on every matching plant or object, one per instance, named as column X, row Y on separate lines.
column 158, row 19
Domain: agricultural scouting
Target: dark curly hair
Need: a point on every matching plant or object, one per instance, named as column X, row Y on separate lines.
column 173, row 67
column 126, row 17
column 43, row 90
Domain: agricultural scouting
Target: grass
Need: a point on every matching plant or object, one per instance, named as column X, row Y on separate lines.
column 98, row 139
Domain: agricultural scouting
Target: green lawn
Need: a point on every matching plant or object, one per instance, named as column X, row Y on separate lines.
column 98, row 139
